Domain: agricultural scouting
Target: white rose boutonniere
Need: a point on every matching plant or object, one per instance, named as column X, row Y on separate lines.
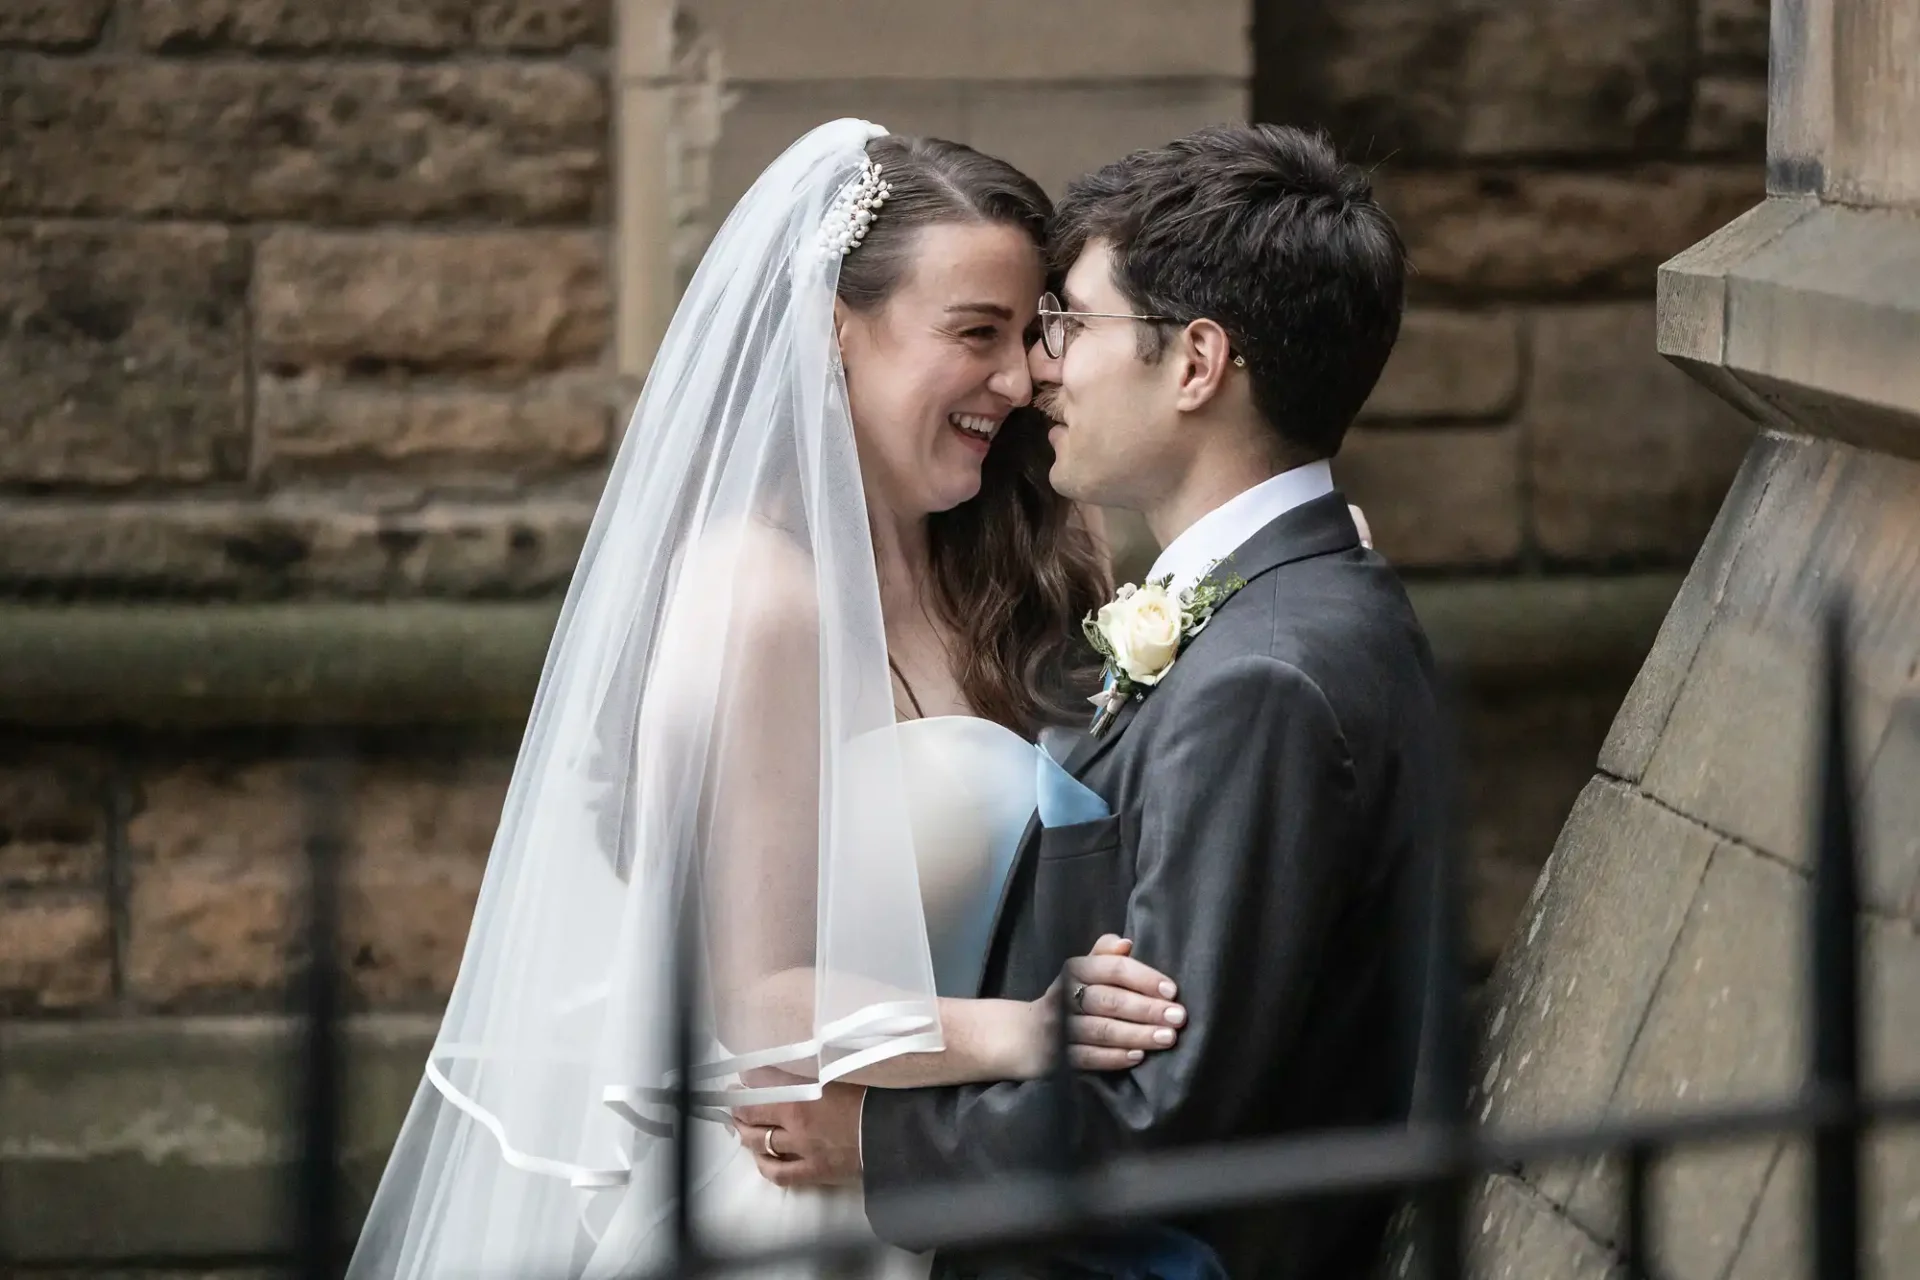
column 1142, row 628
column 1142, row 631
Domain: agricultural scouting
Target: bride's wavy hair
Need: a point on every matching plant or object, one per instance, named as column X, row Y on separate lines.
column 1013, row 572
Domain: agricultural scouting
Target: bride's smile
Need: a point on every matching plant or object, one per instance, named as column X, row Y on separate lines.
column 934, row 370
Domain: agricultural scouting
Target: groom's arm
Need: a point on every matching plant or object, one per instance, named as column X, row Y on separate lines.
column 1242, row 861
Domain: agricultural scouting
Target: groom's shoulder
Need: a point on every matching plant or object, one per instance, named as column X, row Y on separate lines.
column 1331, row 600
column 1339, row 619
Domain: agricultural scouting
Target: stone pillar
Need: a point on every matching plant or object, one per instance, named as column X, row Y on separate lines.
column 1660, row 964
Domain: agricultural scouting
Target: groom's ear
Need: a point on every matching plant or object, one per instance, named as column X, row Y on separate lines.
column 1204, row 358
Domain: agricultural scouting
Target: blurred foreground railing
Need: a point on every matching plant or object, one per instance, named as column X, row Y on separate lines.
column 1432, row 1160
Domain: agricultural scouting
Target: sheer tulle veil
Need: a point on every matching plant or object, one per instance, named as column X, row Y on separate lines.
column 718, row 672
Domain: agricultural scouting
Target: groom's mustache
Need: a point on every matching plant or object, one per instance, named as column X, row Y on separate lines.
column 1045, row 399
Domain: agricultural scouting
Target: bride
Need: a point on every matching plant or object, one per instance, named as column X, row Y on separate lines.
column 826, row 607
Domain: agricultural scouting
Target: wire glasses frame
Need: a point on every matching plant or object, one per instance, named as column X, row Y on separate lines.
column 1054, row 317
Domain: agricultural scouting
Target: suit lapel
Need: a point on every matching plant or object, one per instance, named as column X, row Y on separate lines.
column 1320, row 527
column 1091, row 748
column 1315, row 528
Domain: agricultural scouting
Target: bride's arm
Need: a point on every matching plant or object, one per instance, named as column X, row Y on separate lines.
column 761, row 873
column 1121, row 1017
column 1124, row 1013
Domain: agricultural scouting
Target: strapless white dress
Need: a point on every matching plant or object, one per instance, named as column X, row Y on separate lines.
column 972, row 786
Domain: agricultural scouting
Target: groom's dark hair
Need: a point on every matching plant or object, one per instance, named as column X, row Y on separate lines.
column 1262, row 229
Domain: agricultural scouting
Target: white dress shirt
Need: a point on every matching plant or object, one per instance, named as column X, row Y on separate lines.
column 1219, row 533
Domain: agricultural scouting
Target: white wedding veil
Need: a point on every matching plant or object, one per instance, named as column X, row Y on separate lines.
column 718, row 677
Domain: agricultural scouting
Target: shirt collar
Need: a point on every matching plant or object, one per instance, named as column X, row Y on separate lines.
column 1217, row 534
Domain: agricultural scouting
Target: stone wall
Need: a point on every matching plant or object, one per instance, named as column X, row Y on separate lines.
column 1542, row 158
column 302, row 298
column 344, row 300
column 306, row 300
column 161, row 875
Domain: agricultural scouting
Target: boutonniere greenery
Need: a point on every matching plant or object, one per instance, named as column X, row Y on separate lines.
column 1143, row 631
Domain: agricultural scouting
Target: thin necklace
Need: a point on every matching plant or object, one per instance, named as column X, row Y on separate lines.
column 918, row 714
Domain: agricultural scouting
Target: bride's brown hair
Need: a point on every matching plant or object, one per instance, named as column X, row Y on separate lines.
column 1013, row 573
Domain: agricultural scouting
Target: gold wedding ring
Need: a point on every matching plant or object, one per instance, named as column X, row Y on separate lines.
column 767, row 1144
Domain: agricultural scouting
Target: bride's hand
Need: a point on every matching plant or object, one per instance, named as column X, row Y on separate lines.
column 1119, row 1010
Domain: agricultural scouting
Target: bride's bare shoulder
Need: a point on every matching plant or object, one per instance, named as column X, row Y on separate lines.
column 755, row 578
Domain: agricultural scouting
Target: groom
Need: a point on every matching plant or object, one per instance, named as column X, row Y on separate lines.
column 1228, row 303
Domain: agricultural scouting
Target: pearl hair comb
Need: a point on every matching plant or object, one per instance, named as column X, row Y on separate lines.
column 852, row 211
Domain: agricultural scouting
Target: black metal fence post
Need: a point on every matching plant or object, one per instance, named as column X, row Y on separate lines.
column 1835, row 986
column 1636, row 1235
column 318, row 1199
column 1439, row 1104
column 686, row 1241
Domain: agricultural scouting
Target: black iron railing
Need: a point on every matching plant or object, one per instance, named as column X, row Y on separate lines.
column 1432, row 1160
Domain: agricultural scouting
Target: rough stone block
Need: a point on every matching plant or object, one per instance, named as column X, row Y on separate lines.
column 1537, row 232
column 1736, row 749
column 56, row 952
column 1729, row 117
column 422, row 832
column 182, row 1125
column 53, row 817
column 1564, row 1010
column 1513, row 1231
column 1733, row 33
column 340, row 143
column 1778, row 1244
column 1086, row 125
column 312, row 428
column 842, row 40
column 52, row 24
column 217, row 864
column 1643, row 716
column 523, row 549
column 1482, row 78
column 121, row 352
column 1436, row 496
column 1691, row 295
column 426, row 26
column 1450, row 365
column 1058, row 132
column 1627, row 457
column 1893, row 1199
column 1820, row 318
column 1726, row 1027
column 1893, row 1063
column 526, row 548
column 1891, row 834
column 1529, row 755
column 395, row 302
column 763, row 120
column 143, row 548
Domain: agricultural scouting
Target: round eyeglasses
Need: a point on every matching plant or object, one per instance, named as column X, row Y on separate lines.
column 1055, row 319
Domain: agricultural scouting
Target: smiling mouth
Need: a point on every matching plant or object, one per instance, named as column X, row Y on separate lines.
column 976, row 425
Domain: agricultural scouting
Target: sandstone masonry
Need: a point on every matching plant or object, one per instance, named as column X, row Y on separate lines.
column 345, row 300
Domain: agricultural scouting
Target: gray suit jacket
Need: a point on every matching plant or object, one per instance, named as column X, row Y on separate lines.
column 1269, row 799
